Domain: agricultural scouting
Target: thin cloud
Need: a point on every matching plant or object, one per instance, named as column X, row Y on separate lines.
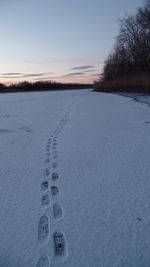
column 83, row 67
column 11, row 73
column 35, row 74
column 88, row 71
column 10, row 77
column 73, row 74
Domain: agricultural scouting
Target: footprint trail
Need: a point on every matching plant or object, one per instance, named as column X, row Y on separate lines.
column 50, row 193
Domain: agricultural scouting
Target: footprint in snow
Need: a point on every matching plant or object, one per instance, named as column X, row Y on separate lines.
column 54, row 190
column 47, row 161
column 55, row 176
column 48, row 145
column 45, row 200
column 47, row 172
column 57, row 211
column 43, row 228
column 59, row 244
column 44, row 185
column 54, row 143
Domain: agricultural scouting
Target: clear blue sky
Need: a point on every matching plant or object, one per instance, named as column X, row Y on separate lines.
column 63, row 40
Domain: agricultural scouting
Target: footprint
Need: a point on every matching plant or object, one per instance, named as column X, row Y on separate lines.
column 55, row 176
column 55, row 165
column 47, row 172
column 43, row 228
column 54, row 143
column 43, row 262
column 47, row 161
column 45, row 200
column 48, row 154
column 55, row 156
column 44, row 185
column 57, row 211
column 54, row 190
column 54, row 146
column 59, row 244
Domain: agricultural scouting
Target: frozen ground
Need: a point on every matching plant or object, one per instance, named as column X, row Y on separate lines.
column 74, row 180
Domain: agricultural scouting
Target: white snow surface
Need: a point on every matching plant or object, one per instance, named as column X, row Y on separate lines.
column 103, row 149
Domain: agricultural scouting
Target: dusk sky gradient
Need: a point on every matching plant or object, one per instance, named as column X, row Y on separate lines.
column 61, row 40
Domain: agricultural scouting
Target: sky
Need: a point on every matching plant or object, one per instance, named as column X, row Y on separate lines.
column 60, row 40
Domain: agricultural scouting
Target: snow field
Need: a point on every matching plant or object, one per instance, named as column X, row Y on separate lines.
column 75, row 186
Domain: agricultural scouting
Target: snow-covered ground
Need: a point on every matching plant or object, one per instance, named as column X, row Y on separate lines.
column 139, row 97
column 74, row 180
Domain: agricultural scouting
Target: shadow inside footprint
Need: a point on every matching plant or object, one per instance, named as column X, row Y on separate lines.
column 45, row 200
column 44, row 185
column 43, row 262
column 59, row 243
column 54, row 190
column 57, row 211
column 55, row 176
column 43, row 228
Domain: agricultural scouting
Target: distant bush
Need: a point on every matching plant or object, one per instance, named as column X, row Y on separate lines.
column 128, row 65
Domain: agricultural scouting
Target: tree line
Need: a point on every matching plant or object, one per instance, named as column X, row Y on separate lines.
column 41, row 86
column 131, row 53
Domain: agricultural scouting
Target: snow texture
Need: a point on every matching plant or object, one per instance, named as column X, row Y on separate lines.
column 74, row 180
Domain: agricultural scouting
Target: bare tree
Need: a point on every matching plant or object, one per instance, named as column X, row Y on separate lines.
column 131, row 53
